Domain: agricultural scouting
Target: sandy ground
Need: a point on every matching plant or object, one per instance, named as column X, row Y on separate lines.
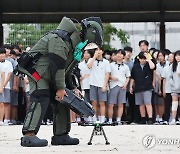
column 123, row 139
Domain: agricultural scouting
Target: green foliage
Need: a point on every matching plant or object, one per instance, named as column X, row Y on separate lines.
column 28, row 34
column 110, row 32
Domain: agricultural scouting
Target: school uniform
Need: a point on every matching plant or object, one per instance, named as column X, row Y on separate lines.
column 85, row 86
column 8, row 68
column 97, row 79
column 117, row 94
column 166, row 74
column 143, row 77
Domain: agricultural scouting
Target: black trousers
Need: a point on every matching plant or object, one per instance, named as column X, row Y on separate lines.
column 133, row 110
column 168, row 104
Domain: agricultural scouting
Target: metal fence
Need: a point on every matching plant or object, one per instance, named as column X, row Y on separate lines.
column 25, row 35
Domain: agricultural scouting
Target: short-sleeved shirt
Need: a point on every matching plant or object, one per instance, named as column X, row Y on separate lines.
column 160, row 67
column 84, row 70
column 98, row 72
column 166, row 74
column 175, row 82
column 130, row 64
column 8, row 68
column 178, row 68
column 121, row 71
column 2, row 69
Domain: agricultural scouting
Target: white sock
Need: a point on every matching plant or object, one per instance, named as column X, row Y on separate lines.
column 102, row 119
column 118, row 119
column 110, row 120
column 157, row 118
column 90, row 119
column 6, row 120
column 78, row 119
column 94, row 118
column 85, row 119
column 160, row 119
column 173, row 120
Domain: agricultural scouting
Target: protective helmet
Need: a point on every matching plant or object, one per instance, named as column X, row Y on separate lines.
column 92, row 30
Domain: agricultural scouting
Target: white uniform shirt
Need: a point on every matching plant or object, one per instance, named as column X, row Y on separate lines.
column 98, row 72
column 83, row 71
column 175, row 82
column 160, row 68
column 166, row 74
column 2, row 69
column 121, row 72
column 8, row 68
column 178, row 68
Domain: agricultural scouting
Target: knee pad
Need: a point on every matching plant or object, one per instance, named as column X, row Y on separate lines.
column 174, row 105
column 35, row 113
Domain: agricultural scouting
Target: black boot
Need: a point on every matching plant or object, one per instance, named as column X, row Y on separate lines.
column 64, row 140
column 33, row 141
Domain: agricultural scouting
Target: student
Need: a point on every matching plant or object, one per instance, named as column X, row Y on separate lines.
column 85, row 75
column 178, row 69
column 175, row 86
column 166, row 74
column 133, row 109
column 144, row 45
column 120, row 74
column 14, row 88
column 2, row 79
column 159, row 103
column 142, row 77
column 6, row 92
column 100, row 69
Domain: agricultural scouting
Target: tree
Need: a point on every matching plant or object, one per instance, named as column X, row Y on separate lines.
column 110, row 32
column 29, row 34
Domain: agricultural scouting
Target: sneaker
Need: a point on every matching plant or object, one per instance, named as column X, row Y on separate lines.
column 6, row 123
column 142, row 122
column 150, row 122
column 33, row 141
column 49, row 122
column 161, row 122
column 13, row 122
column 165, row 123
column 156, row 123
column 1, row 123
column 119, row 123
column 133, row 123
column 43, row 123
column 178, row 122
column 109, row 123
column 172, row 123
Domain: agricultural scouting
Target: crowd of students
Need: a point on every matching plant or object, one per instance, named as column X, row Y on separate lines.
column 121, row 89
column 143, row 90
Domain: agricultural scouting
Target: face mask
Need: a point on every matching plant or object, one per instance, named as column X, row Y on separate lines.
column 166, row 57
column 107, row 57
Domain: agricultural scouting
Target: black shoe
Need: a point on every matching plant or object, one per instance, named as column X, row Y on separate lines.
column 33, row 141
column 64, row 140
column 149, row 122
column 143, row 120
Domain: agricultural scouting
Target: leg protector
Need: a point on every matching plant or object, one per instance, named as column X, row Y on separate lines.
column 36, row 112
column 174, row 105
column 61, row 119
